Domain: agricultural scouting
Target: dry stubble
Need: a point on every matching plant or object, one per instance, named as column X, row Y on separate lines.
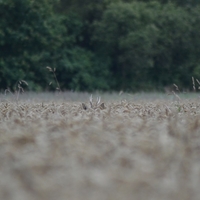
column 126, row 150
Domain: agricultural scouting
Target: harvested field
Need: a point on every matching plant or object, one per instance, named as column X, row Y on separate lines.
column 122, row 149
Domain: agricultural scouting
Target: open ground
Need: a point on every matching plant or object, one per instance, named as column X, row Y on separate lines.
column 69, row 146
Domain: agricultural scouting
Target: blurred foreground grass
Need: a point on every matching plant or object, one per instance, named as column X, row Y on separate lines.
column 139, row 146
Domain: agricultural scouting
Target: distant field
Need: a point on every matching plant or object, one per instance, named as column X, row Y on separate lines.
column 84, row 96
column 124, row 147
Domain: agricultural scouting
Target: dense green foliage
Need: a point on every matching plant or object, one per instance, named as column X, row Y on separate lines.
column 99, row 45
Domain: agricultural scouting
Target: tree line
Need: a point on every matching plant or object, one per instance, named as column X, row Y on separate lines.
column 102, row 45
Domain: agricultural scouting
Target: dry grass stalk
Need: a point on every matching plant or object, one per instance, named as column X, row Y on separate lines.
column 198, row 83
column 193, row 84
column 55, row 77
column 18, row 90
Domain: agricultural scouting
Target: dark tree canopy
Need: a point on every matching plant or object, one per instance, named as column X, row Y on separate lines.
column 99, row 45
